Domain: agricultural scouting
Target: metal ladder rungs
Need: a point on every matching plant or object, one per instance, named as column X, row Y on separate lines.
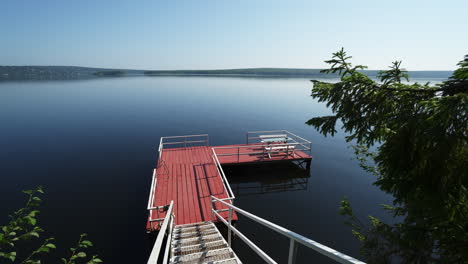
column 200, row 243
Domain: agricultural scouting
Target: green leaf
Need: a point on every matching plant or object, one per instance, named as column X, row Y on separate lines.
column 87, row 243
column 43, row 249
column 11, row 256
column 50, row 245
column 31, row 220
column 33, row 213
column 40, row 189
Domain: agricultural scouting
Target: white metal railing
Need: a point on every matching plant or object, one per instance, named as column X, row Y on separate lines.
column 238, row 149
column 291, row 144
column 151, row 194
column 185, row 141
column 188, row 140
column 227, row 186
column 150, row 207
column 291, row 137
column 294, row 238
column 167, row 226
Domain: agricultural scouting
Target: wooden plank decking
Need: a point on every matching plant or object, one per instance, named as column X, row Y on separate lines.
column 189, row 176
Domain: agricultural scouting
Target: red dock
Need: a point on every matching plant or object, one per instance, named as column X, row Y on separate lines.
column 189, row 175
column 254, row 153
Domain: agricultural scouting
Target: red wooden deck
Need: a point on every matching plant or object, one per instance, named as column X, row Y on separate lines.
column 189, row 176
column 254, row 153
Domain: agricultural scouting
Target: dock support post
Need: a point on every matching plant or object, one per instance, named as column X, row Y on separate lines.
column 308, row 165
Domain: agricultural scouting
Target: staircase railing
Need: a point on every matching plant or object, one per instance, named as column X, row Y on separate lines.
column 294, row 238
column 167, row 226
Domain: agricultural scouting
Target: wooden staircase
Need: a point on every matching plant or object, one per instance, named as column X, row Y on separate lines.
column 200, row 243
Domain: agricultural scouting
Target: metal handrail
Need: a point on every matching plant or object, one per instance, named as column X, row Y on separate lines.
column 200, row 135
column 151, row 194
column 162, row 142
column 160, row 160
column 227, row 187
column 251, row 244
column 185, row 142
column 169, row 238
column 153, row 186
column 294, row 237
column 168, row 220
column 239, row 153
column 290, row 134
column 262, row 145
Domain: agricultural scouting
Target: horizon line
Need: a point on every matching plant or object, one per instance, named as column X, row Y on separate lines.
column 217, row 69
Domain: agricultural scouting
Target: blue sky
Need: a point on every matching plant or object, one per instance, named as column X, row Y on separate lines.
column 204, row 34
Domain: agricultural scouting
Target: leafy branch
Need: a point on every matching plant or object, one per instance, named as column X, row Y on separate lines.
column 78, row 253
column 22, row 228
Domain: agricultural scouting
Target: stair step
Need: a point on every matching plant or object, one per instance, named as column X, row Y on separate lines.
column 202, row 257
column 200, row 233
column 227, row 261
column 194, row 224
column 196, row 240
column 199, row 248
column 192, row 228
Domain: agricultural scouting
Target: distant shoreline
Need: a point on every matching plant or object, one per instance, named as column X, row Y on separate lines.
column 18, row 73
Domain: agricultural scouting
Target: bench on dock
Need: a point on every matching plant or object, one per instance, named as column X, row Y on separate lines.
column 278, row 149
column 273, row 138
column 274, row 148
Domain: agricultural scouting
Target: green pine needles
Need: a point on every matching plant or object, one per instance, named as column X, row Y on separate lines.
column 419, row 136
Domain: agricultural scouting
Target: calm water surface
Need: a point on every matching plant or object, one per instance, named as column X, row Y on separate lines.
column 93, row 144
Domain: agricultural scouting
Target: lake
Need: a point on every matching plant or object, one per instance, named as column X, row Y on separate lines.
column 93, row 145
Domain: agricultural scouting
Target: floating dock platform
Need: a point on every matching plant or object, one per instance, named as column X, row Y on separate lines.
column 189, row 172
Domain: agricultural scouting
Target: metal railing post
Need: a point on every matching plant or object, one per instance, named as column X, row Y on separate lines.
column 295, row 238
column 238, row 154
column 230, row 225
column 212, row 208
column 153, row 258
column 292, row 251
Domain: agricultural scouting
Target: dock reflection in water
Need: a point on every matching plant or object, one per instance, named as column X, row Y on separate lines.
column 267, row 178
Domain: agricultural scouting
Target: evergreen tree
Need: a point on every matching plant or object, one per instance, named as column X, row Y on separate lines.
column 419, row 133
